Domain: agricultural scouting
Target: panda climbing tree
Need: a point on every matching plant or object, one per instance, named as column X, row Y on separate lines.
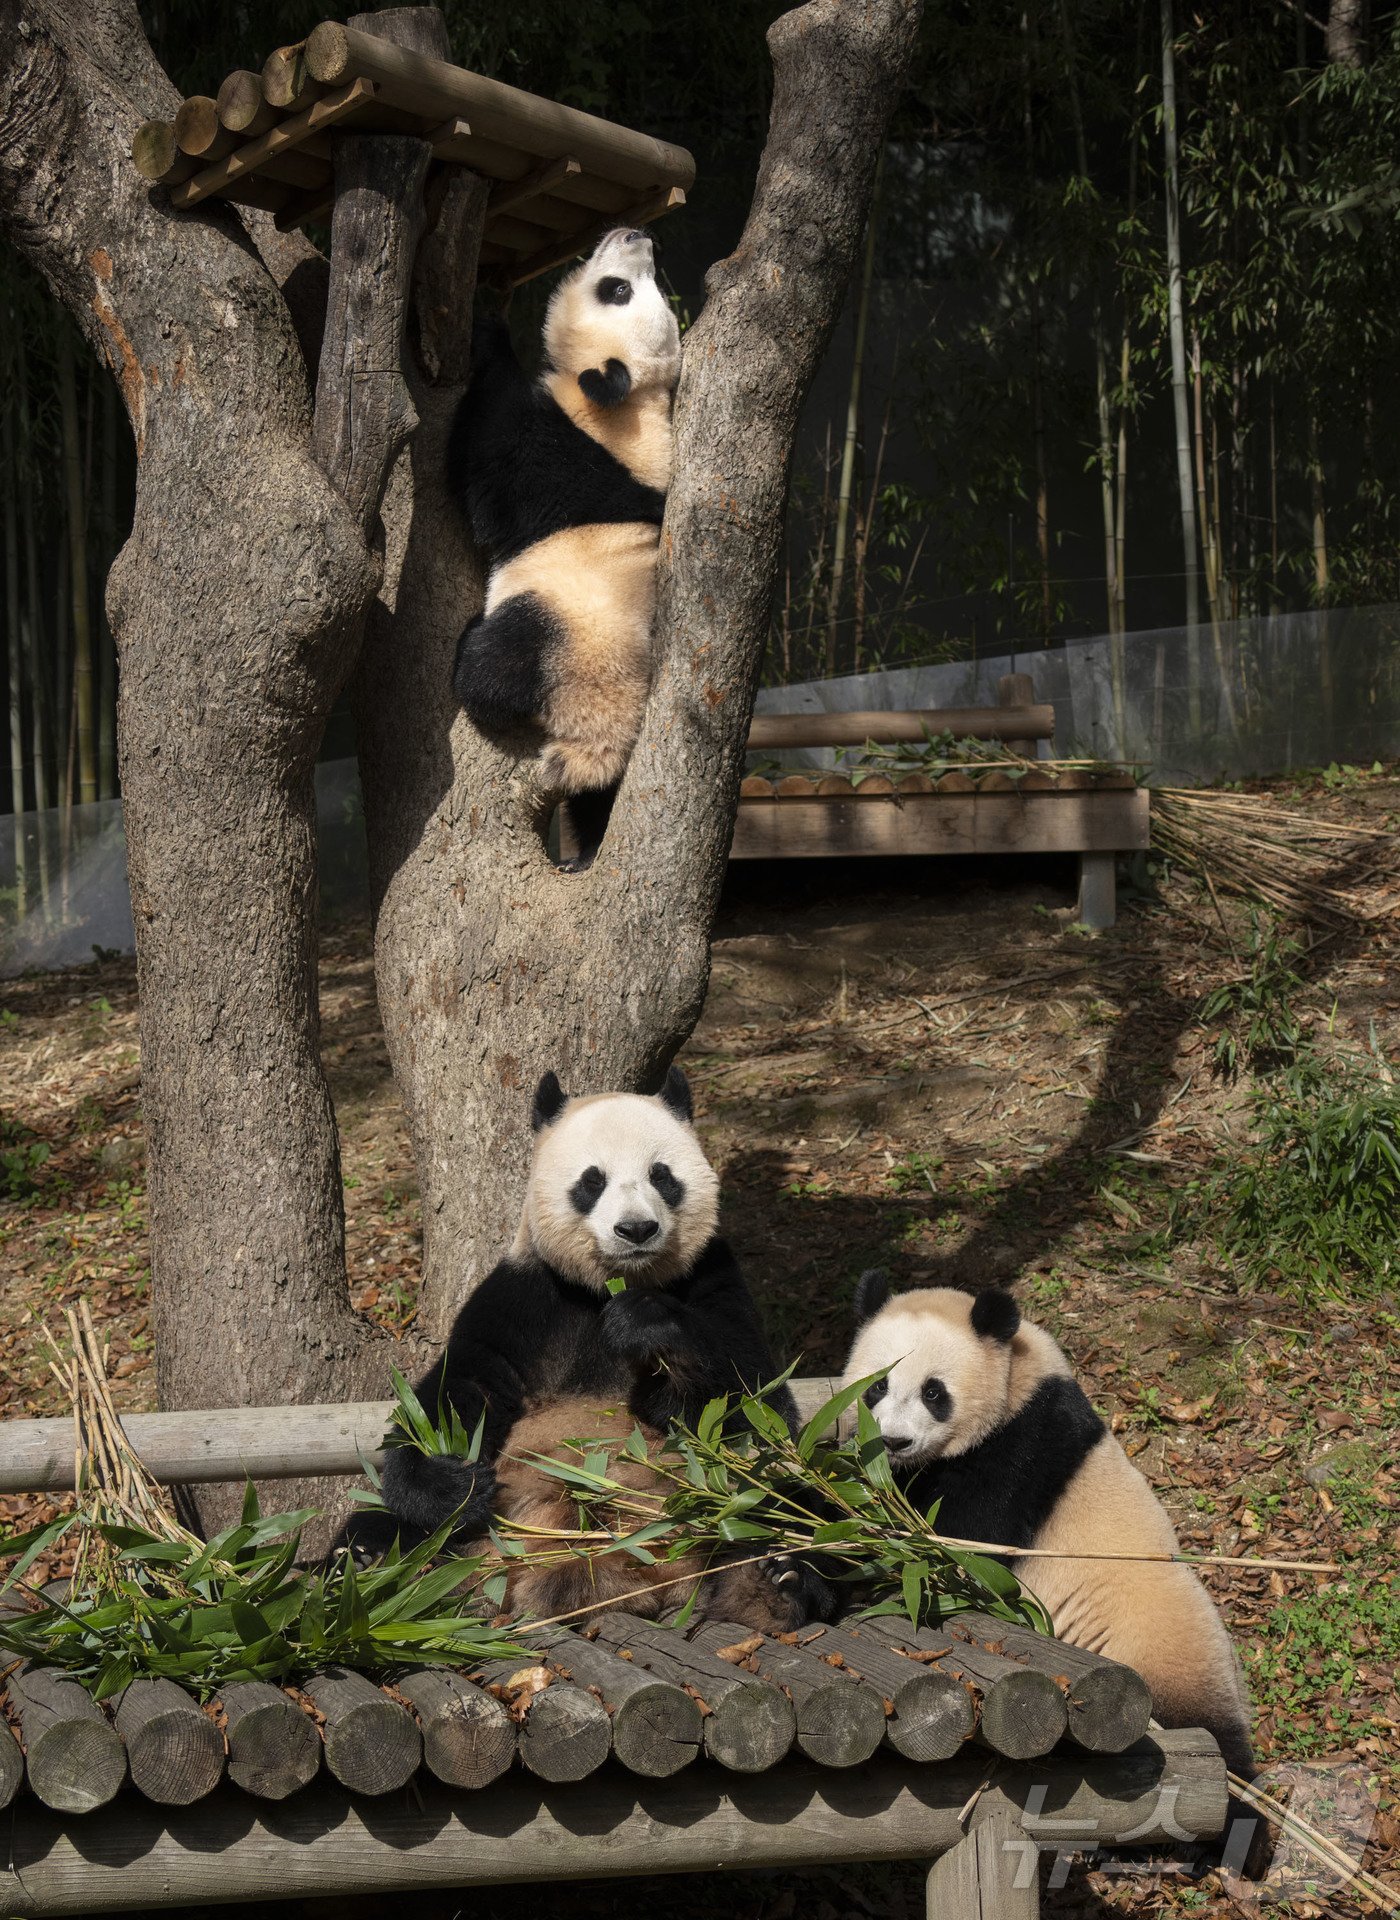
column 295, row 537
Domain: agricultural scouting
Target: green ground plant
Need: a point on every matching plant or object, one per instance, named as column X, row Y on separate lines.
column 1256, row 1026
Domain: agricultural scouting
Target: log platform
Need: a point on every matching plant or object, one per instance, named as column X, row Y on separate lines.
column 1095, row 813
column 559, row 178
column 621, row 1746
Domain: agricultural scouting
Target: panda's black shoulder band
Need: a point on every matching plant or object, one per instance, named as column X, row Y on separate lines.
column 606, row 386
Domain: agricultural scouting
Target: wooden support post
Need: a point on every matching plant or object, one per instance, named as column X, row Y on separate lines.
column 174, row 1750
column 1098, row 891
column 273, row 1747
column 989, row 1875
column 73, row 1755
column 372, row 1743
column 1017, row 690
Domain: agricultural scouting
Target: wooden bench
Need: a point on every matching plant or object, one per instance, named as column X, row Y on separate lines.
column 648, row 1750
column 1091, row 813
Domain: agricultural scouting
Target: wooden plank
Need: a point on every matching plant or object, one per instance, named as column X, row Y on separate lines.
column 494, row 161
column 991, row 1874
column 544, row 128
column 774, row 731
column 943, row 823
column 73, row 1756
column 640, row 214
column 372, row 1743
column 1098, row 891
column 1109, row 1704
column 513, row 193
column 468, row 1737
column 656, row 1728
column 325, row 1844
column 240, row 1443
column 274, row 1748
column 173, row 1749
column 840, row 1720
column 931, row 1712
column 749, row 1725
column 281, row 139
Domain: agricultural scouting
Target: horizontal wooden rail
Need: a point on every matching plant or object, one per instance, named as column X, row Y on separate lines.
column 133, row 1854
column 235, row 1443
column 771, row 731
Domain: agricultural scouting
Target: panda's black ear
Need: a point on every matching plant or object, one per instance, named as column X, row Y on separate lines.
column 550, row 1102
column 873, row 1289
column 995, row 1315
column 675, row 1094
column 608, row 385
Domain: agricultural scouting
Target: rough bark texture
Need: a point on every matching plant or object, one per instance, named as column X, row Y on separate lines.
column 491, row 965
column 238, row 605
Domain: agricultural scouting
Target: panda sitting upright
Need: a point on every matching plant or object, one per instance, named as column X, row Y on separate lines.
column 543, row 1353
column 980, row 1412
column 564, row 480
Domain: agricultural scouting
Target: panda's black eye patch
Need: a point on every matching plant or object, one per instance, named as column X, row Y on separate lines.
column 937, row 1398
column 876, row 1391
column 613, row 291
column 587, row 1190
column 666, row 1184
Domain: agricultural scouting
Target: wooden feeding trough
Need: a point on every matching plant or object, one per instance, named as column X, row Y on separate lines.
column 647, row 1749
column 560, row 177
column 1094, row 813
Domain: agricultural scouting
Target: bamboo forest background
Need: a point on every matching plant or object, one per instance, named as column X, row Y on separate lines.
column 1118, row 355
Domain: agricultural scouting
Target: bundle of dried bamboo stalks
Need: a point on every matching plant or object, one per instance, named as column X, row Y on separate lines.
column 111, row 1482
column 1299, row 866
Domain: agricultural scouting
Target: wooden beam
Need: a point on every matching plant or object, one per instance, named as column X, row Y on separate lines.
column 238, row 1443
column 511, row 193
column 198, row 131
column 174, row 1750
column 438, row 90
column 941, row 823
column 330, row 1844
column 242, row 106
column 287, row 82
column 516, row 272
column 778, row 730
column 156, row 155
column 282, row 138
column 991, row 1874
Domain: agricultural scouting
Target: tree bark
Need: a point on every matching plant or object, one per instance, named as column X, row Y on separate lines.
column 491, row 965
column 1176, row 321
column 234, row 606
column 1346, row 33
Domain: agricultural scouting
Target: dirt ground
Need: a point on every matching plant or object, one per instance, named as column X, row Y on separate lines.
column 926, row 1069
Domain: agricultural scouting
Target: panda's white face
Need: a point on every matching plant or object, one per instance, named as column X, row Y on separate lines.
column 620, row 1185
column 610, row 310
column 947, row 1385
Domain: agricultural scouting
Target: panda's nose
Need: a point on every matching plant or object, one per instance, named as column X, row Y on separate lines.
column 638, row 1231
column 897, row 1443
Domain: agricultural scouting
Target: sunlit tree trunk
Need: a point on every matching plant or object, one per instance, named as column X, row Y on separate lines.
column 14, row 651
column 1042, row 485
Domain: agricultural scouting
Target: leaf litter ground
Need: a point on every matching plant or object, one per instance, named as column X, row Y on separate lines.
column 931, row 1070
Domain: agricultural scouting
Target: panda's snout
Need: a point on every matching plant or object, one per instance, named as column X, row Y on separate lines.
column 897, row 1442
column 637, row 1230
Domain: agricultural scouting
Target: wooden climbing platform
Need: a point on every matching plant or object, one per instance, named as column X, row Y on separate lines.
column 560, row 177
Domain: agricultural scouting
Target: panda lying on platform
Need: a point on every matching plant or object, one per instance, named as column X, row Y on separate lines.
column 564, row 480
column 979, row 1411
column 619, row 1185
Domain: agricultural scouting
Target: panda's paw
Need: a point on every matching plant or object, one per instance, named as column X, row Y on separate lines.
column 427, row 1490
column 800, row 1591
column 640, row 1328
column 580, row 863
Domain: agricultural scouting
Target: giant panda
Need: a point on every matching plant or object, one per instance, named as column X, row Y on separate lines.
column 543, row 1354
column 980, row 1412
column 564, row 480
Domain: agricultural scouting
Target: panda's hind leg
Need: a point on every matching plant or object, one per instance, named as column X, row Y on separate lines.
column 501, row 671
column 587, row 815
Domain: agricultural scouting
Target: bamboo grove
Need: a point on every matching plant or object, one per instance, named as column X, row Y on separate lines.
column 1116, row 355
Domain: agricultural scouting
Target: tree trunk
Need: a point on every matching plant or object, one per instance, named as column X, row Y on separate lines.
column 76, row 509
column 1042, row 484
column 1346, row 33
column 491, row 965
column 14, row 658
column 1176, row 320
column 107, row 653
column 235, row 606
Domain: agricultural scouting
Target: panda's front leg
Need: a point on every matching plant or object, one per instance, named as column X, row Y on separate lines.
column 654, row 1337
